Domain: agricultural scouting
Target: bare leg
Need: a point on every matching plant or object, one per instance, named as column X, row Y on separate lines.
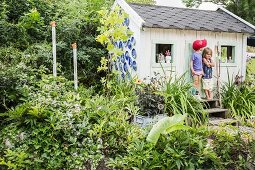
column 199, row 83
column 207, row 93
column 196, row 81
column 210, row 94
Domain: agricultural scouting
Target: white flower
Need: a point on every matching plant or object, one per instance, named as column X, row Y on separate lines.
column 8, row 143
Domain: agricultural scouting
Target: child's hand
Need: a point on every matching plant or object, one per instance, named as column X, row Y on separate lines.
column 193, row 72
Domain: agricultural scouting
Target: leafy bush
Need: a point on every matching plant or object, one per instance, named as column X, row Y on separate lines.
column 19, row 68
column 178, row 100
column 190, row 149
column 239, row 99
column 177, row 150
column 233, row 150
column 25, row 24
column 61, row 128
column 55, row 129
column 149, row 102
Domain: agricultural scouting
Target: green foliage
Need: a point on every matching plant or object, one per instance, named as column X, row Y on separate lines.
column 61, row 128
column 190, row 149
column 250, row 78
column 178, row 100
column 239, row 99
column 233, row 150
column 150, row 103
column 165, row 126
column 27, row 23
column 54, row 128
column 177, row 150
column 18, row 69
column 112, row 30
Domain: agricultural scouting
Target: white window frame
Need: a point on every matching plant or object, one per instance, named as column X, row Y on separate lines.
column 153, row 54
column 234, row 57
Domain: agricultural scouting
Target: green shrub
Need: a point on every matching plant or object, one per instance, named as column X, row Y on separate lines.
column 233, row 151
column 55, row 130
column 176, row 150
column 61, row 128
column 189, row 149
column 178, row 100
column 19, row 70
column 240, row 100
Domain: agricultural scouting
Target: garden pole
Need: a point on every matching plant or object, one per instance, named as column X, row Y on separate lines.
column 74, row 46
column 218, row 71
column 53, row 26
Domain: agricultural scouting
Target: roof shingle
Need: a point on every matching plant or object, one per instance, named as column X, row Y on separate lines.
column 191, row 19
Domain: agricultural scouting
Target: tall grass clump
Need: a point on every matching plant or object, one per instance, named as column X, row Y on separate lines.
column 179, row 100
column 239, row 99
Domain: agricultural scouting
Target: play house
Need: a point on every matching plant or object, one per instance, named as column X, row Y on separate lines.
column 163, row 37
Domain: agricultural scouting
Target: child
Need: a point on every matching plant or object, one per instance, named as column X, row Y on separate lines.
column 207, row 77
column 196, row 63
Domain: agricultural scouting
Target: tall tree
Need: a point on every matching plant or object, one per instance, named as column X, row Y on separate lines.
column 243, row 8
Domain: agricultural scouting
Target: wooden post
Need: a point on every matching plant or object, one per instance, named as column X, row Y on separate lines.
column 74, row 46
column 53, row 26
column 218, row 57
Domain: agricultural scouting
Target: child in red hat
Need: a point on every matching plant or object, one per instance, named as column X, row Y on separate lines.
column 197, row 64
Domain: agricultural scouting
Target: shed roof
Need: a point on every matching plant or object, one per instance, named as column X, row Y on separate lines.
column 190, row 19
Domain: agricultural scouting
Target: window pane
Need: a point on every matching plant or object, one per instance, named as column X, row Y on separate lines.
column 163, row 53
column 227, row 54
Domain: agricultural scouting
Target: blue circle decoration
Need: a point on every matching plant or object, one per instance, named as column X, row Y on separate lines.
column 128, row 75
column 116, row 67
column 126, row 21
column 129, row 44
column 122, row 58
column 130, row 62
column 127, row 55
column 123, row 75
column 125, row 67
column 120, row 66
column 124, row 43
column 134, row 66
column 118, row 58
column 133, row 40
column 116, row 44
column 120, row 45
column 134, row 53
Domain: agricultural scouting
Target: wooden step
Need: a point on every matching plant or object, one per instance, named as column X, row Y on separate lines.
column 217, row 112
column 223, row 122
column 210, row 103
column 209, row 100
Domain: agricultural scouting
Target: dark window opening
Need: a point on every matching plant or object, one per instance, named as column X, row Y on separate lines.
column 227, row 54
column 164, row 53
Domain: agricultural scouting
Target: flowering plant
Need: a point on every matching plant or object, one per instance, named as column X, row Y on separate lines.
column 167, row 53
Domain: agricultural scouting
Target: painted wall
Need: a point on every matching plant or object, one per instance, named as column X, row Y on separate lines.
column 182, row 50
column 127, row 64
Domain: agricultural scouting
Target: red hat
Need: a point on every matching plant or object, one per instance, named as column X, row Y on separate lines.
column 199, row 44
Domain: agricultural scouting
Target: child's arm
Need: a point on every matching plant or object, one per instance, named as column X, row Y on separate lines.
column 206, row 62
column 191, row 67
column 212, row 63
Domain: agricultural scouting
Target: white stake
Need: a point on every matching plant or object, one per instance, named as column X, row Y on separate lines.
column 53, row 26
column 74, row 45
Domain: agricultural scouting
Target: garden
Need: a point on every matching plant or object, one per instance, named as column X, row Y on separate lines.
column 46, row 124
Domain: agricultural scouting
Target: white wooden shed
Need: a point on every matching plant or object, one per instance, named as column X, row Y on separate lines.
column 161, row 28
